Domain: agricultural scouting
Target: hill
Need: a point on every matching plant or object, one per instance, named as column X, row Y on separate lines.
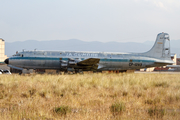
column 78, row 45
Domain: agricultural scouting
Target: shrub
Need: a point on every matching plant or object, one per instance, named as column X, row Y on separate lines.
column 1, row 96
column 42, row 94
column 155, row 112
column 125, row 93
column 117, row 108
column 153, row 101
column 149, row 101
column 32, row 92
column 177, row 97
column 170, row 99
column 161, row 84
column 62, row 110
column 139, row 95
column 113, row 95
column 25, row 95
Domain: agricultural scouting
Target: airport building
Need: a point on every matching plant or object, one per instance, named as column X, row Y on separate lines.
column 178, row 61
column 2, row 51
column 174, row 58
column 2, row 55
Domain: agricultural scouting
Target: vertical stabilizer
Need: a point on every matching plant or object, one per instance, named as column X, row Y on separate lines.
column 161, row 48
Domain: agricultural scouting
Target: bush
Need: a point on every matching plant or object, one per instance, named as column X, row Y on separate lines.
column 117, row 108
column 42, row 94
column 161, row 84
column 62, row 110
column 125, row 93
column 32, row 92
column 153, row 101
column 154, row 112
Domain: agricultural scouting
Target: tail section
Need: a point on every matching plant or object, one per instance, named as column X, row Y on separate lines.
column 161, row 48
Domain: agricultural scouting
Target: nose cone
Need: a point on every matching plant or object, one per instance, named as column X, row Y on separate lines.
column 7, row 61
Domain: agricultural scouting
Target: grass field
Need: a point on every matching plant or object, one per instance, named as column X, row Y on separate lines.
column 90, row 96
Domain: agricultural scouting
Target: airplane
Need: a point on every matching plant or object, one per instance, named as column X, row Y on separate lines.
column 74, row 61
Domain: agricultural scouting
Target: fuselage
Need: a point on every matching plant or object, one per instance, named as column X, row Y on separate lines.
column 108, row 61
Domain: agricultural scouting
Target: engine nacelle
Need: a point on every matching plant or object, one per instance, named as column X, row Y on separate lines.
column 63, row 63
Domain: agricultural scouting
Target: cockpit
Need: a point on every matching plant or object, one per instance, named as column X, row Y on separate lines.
column 18, row 55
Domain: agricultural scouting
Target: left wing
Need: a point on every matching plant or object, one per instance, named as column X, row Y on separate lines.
column 18, row 68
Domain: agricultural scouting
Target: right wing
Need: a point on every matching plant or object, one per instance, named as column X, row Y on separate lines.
column 89, row 64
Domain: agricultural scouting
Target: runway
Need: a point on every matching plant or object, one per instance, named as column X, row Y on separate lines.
column 159, row 72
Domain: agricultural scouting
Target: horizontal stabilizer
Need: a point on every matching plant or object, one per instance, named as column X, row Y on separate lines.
column 173, row 66
column 165, row 63
column 89, row 62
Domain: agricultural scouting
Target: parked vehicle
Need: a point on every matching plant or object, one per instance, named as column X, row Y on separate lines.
column 1, row 71
column 4, row 71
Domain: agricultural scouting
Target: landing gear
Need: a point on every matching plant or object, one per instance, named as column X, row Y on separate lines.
column 78, row 71
column 122, row 71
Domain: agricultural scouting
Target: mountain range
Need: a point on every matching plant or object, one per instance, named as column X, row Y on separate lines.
column 78, row 45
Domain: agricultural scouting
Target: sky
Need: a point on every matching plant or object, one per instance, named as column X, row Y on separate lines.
column 89, row 20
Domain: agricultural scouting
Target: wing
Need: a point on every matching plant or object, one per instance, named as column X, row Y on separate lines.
column 89, row 62
column 18, row 68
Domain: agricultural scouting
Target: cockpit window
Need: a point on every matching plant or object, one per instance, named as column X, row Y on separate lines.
column 18, row 55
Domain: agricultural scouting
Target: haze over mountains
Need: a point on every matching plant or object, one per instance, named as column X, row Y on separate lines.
column 78, row 45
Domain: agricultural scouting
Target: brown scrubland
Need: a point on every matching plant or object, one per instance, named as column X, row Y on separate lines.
column 90, row 96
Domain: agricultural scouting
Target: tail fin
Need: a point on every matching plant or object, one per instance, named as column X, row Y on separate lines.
column 161, row 48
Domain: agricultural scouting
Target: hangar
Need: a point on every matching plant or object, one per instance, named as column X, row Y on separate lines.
column 2, row 50
column 2, row 54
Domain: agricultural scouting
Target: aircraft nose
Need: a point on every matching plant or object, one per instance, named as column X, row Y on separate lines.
column 6, row 61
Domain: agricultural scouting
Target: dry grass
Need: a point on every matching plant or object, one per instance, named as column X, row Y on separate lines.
column 90, row 96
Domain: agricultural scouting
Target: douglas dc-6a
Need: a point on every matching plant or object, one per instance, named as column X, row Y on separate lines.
column 158, row 55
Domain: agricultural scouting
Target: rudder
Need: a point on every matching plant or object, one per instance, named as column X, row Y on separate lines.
column 161, row 48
